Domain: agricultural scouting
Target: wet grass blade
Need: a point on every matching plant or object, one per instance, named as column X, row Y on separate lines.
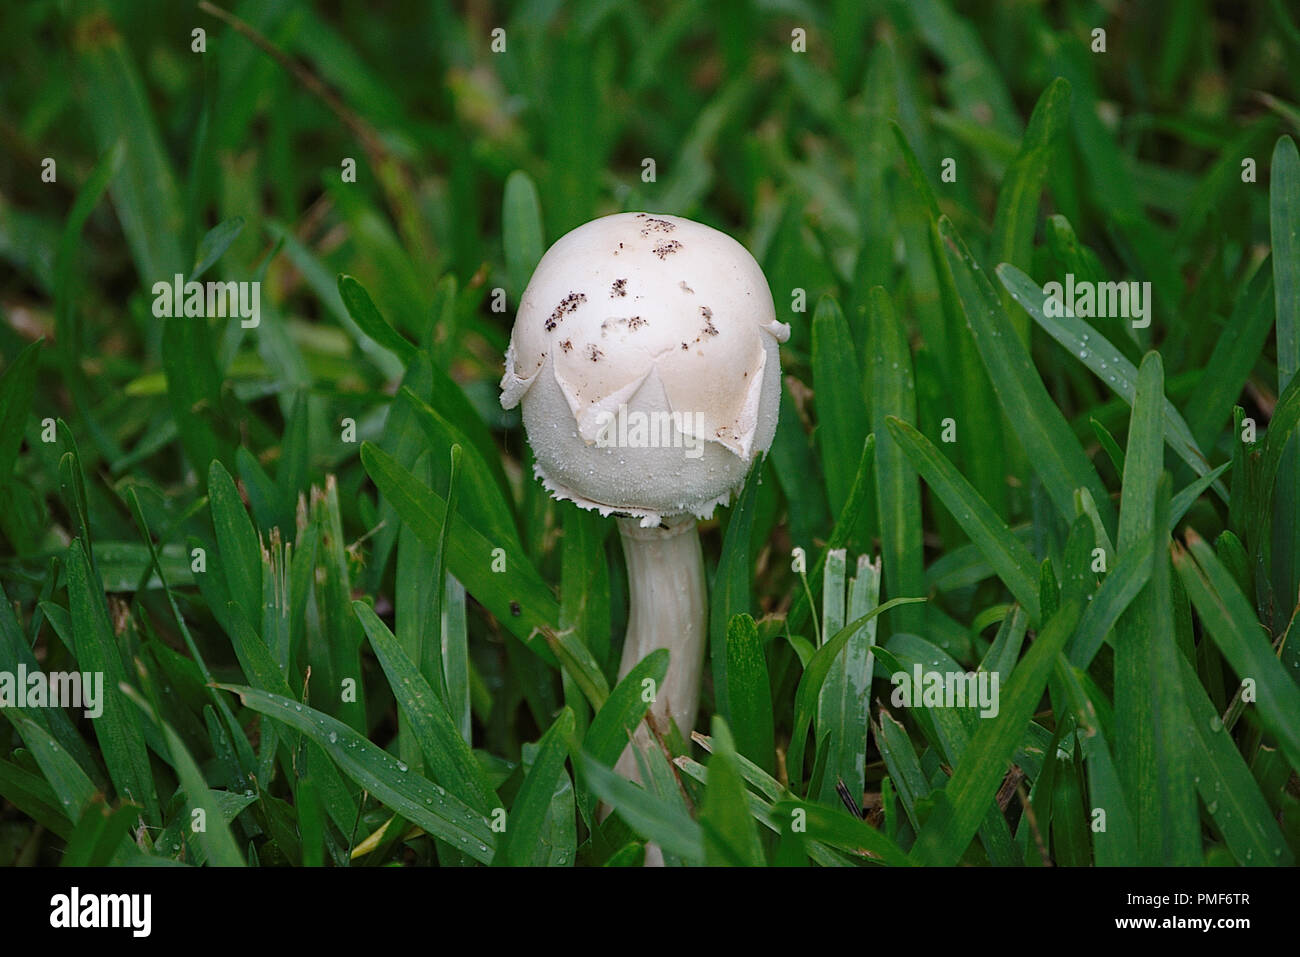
column 449, row 759
column 411, row 795
column 1107, row 363
column 69, row 783
column 1053, row 451
column 1007, row 555
column 1228, row 790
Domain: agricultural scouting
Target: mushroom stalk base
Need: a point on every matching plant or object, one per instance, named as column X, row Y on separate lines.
column 668, row 608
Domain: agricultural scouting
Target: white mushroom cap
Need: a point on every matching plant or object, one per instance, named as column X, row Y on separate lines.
column 639, row 316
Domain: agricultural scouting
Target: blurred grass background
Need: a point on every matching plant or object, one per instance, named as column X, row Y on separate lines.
column 827, row 165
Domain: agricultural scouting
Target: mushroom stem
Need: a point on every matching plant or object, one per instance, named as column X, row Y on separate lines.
column 668, row 608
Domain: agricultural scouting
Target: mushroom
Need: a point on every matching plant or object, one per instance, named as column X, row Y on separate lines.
column 645, row 356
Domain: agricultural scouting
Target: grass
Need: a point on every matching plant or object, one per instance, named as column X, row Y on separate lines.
column 340, row 624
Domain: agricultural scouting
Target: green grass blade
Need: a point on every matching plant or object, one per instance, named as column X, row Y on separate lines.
column 1117, row 844
column 470, row 554
column 1235, row 352
column 1174, row 816
column 1053, row 451
column 652, row 817
column 1009, row 557
column 118, row 729
column 1228, row 790
column 528, row 813
column 1107, row 363
column 1016, row 216
column 1284, row 229
column 730, row 593
column 69, row 783
column 730, row 837
column 841, row 422
column 903, row 765
column 844, row 703
column 968, row 794
column 810, row 684
column 584, row 580
column 17, row 389
column 214, row 244
column 751, row 692
column 31, row 795
column 1231, row 622
column 837, row 829
column 521, row 230
column 215, row 837
column 363, row 312
column 450, row 761
column 614, row 723
column 840, row 534
column 898, row 492
column 411, row 795
column 240, row 548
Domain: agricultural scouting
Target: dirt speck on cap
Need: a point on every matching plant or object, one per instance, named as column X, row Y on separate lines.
column 650, row 224
column 709, row 328
column 619, row 288
column 567, row 305
column 593, row 353
column 567, row 345
column 663, row 249
column 686, row 288
column 633, row 323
